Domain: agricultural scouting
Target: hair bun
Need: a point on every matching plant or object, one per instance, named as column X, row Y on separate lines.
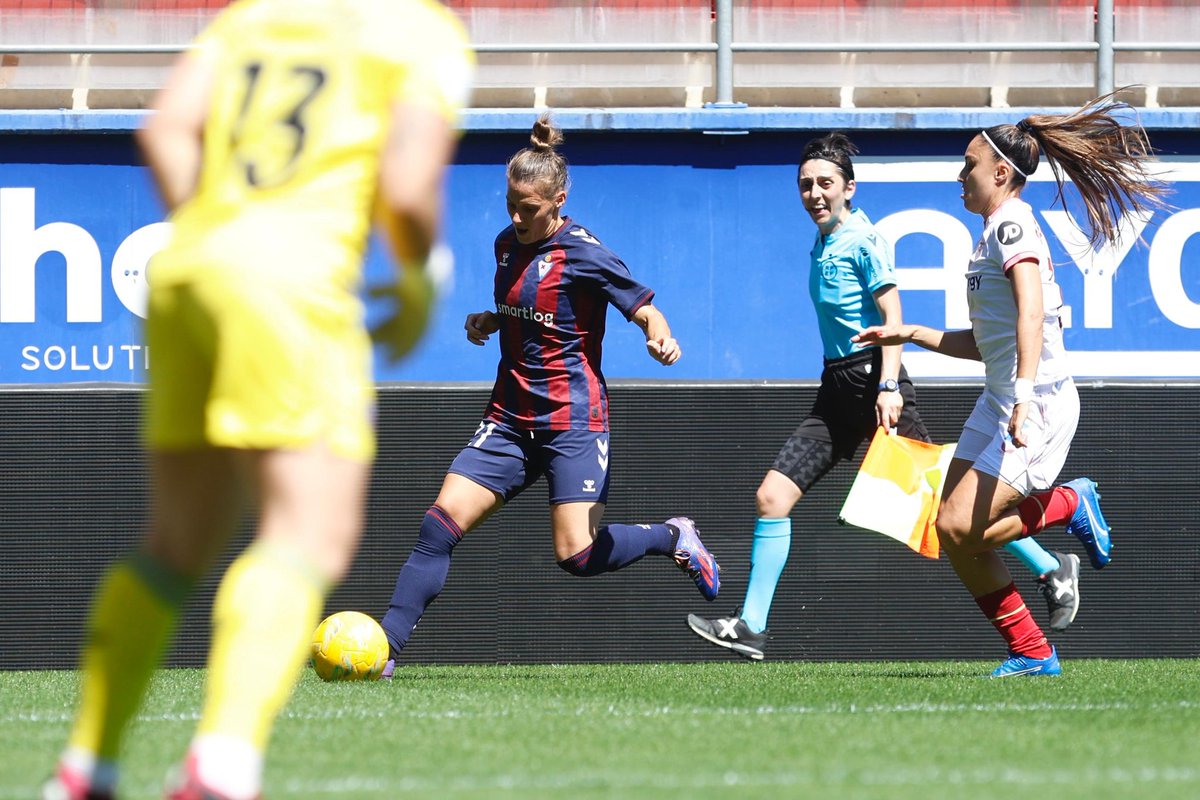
column 545, row 135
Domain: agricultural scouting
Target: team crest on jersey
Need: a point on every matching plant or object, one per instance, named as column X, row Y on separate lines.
column 503, row 262
column 544, row 266
column 1009, row 233
column 582, row 234
column 829, row 269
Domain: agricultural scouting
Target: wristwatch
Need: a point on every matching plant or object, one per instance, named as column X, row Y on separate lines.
column 889, row 386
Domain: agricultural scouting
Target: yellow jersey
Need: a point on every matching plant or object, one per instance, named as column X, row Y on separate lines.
column 300, row 108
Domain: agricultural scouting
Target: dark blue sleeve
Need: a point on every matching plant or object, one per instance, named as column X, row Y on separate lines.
column 594, row 264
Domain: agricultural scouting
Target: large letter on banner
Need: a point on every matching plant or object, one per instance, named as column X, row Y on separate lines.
column 897, row 490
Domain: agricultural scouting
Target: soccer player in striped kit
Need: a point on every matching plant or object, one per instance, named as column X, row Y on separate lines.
column 548, row 413
column 1015, row 442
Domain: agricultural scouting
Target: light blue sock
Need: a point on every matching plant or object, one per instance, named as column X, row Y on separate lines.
column 1033, row 555
column 768, row 554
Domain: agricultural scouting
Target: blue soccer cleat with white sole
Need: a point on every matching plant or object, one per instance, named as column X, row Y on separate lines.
column 1088, row 524
column 1024, row 665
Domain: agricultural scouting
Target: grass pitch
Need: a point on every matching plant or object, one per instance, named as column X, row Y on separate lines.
column 1105, row 729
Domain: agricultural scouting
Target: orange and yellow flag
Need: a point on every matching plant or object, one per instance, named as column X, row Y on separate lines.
column 897, row 490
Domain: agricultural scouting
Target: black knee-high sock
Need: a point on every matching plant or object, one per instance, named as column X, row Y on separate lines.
column 422, row 577
column 618, row 546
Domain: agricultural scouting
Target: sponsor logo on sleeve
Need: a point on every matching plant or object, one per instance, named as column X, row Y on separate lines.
column 1009, row 233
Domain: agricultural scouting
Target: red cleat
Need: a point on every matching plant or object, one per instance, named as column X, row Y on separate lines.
column 188, row 786
column 69, row 785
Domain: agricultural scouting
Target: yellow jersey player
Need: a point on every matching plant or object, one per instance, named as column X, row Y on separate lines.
column 278, row 140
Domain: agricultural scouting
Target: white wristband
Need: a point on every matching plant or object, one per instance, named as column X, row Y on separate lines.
column 440, row 267
column 1022, row 390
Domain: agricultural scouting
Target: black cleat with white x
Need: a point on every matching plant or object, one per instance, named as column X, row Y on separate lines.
column 1060, row 589
column 731, row 633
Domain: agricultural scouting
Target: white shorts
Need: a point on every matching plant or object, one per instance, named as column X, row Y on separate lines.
column 1049, row 428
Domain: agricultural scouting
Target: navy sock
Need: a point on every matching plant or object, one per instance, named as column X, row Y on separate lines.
column 422, row 577
column 618, row 546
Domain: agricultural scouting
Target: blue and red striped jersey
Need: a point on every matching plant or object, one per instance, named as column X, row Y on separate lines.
column 552, row 299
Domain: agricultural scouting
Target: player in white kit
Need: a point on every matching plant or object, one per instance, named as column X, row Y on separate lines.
column 1015, row 441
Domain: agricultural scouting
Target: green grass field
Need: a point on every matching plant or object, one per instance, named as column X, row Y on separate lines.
column 1105, row 729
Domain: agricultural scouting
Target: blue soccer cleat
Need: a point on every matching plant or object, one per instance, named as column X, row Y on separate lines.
column 1024, row 665
column 1087, row 524
column 693, row 558
column 388, row 669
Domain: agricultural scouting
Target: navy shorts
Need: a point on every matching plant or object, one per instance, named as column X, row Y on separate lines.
column 508, row 461
column 843, row 417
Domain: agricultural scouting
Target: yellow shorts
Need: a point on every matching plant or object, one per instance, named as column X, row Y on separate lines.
column 258, row 368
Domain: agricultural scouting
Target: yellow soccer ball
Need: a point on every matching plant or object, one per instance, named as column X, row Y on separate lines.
column 349, row 646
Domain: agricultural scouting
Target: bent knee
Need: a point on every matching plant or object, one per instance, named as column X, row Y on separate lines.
column 773, row 501
column 956, row 534
column 578, row 565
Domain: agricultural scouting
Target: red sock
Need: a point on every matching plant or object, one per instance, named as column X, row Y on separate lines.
column 1006, row 610
column 1040, row 511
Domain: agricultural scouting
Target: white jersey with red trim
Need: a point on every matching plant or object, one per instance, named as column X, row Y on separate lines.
column 1011, row 235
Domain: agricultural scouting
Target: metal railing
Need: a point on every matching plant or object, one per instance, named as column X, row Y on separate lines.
column 725, row 47
column 1104, row 47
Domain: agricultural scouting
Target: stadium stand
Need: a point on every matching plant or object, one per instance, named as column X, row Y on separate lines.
column 648, row 53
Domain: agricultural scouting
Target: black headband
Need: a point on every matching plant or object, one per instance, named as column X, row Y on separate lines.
column 835, row 157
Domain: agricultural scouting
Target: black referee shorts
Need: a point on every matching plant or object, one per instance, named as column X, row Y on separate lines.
column 843, row 417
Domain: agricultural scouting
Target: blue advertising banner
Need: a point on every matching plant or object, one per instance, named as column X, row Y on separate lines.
column 725, row 248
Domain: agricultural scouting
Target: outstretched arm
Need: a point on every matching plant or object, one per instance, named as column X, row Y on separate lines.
column 661, row 346
column 956, row 344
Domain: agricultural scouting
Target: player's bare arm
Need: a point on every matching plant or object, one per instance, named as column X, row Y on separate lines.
column 661, row 346
column 172, row 139
column 956, row 344
column 889, row 404
column 419, row 145
column 1027, row 294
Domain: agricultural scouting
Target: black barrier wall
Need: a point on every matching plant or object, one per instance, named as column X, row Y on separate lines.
column 74, row 496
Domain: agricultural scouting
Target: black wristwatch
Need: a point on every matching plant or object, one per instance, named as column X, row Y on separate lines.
column 889, row 386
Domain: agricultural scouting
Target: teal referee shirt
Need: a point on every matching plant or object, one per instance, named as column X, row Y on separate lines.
column 845, row 269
